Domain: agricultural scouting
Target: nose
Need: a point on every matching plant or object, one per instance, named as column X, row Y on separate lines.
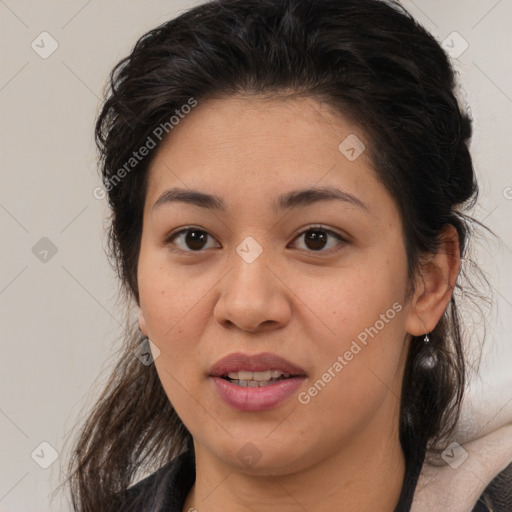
column 252, row 297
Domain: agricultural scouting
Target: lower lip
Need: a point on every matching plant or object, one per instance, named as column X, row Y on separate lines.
column 256, row 399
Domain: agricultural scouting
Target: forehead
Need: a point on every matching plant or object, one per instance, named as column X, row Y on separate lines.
column 251, row 147
column 253, row 126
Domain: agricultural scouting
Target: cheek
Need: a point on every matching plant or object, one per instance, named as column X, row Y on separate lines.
column 175, row 311
column 175, row 314
column 349, row 301
column 358, row 333
column 169, row 296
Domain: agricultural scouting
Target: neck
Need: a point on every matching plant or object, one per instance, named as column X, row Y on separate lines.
column 362, row 476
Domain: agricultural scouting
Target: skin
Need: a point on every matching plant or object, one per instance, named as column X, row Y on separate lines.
column 303, row 304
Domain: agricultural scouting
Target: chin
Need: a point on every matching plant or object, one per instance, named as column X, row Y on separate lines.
column 264, row 456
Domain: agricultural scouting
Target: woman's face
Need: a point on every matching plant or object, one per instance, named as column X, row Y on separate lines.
column 270, row 269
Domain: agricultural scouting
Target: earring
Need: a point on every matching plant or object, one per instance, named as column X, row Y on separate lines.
column 429, row 356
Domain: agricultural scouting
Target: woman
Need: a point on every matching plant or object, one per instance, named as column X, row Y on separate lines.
column 287, row 182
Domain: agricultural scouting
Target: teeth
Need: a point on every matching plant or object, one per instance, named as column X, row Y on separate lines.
column 254, row 383
column 257, row 376
column 260, row 376
column 248, row 379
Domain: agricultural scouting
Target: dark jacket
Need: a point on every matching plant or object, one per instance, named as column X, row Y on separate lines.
column 166, row 489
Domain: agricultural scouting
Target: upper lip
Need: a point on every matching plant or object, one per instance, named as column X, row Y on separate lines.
column 254, row 363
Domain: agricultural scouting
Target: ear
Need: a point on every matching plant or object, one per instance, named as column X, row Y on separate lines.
column 434, row 284
column 142, row 323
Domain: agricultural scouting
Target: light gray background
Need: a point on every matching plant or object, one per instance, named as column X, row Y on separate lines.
column 59, row 319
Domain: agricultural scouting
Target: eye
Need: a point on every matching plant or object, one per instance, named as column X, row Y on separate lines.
column 316, row 239
column 191, row 240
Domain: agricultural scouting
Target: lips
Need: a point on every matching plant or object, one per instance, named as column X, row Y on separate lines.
column 255, row 383
column 240, row 362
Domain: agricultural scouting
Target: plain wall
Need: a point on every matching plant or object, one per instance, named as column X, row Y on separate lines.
column 59, row 319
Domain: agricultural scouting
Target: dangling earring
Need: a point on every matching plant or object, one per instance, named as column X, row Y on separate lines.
column 429, row 356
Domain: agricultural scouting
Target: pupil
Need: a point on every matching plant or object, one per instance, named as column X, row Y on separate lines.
column 195, row 239
column 316, row 240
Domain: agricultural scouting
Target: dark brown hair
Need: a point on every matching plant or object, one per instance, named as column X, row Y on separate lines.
column 367, row 59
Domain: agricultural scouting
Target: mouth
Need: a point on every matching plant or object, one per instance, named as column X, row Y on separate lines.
column 255, row 382
column 262, row 367
column 248, row 379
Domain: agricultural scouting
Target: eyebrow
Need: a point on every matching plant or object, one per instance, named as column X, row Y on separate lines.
column 293, row 199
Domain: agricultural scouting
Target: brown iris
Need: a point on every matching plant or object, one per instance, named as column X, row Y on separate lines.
column 315, row 240
column 195, row 239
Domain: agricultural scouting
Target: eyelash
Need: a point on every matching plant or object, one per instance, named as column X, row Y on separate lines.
column 338, row 237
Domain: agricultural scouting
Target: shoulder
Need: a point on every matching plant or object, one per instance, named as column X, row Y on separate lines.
column 164, row 490
column 497, row 496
